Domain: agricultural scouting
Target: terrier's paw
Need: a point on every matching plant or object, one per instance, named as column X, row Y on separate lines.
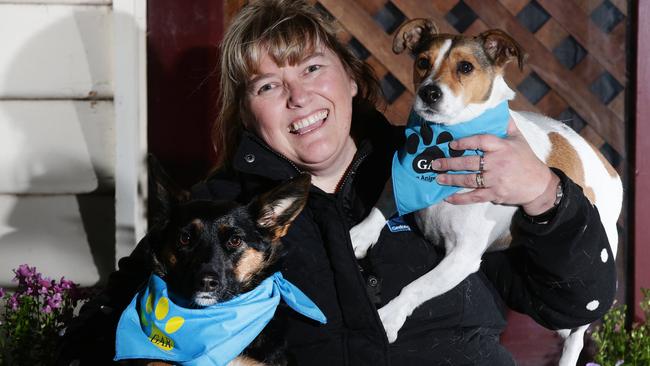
column 366, row 233
column 393, row 315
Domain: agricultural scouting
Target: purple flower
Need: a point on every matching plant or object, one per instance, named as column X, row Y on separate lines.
column 44, row 285
column 25, row 272
column 13, row 303
column 2, row 292
column 55, row 301
column 66, row 284
column 47, row 309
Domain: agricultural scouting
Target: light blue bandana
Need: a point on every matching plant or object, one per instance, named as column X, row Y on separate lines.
column 414, row 183
column 154, row 327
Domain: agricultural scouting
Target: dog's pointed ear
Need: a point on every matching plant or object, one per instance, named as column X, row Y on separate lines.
column 164, row 194
column 501, row 48
column 275, row 210
column 412, row 33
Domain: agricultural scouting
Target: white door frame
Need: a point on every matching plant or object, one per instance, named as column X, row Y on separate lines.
column 130, row 78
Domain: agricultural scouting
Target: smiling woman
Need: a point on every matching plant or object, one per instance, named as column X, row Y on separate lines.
column 289, row 65
column 303, row 112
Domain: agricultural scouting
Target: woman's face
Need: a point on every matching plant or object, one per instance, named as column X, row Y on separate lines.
column 304, row 111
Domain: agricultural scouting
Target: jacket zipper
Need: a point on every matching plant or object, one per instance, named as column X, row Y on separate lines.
column 352, row 171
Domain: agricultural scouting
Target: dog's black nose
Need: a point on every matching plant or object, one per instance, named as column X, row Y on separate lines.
column 430, row 94
column 209, row 283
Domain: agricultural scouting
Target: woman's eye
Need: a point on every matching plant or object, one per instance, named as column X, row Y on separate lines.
column 465, row 67
column 423, row 63
column 184, row 238
column 234, row 243
column 264, row 88
column 312, row 68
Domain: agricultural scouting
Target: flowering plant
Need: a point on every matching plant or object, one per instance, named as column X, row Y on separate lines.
column 34, row 315
column 618, row 345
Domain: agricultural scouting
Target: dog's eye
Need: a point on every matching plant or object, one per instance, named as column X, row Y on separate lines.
column 465, row 67
column 234, row 243
column 423, row 63
column 184, row 238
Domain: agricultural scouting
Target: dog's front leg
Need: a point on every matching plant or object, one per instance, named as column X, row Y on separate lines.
column 573, row 343
column 366, row 233
column 462, row 261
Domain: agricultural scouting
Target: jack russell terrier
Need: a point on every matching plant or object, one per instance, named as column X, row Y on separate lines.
column 459, row 80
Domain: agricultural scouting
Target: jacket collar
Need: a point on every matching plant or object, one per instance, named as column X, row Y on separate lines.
column 254, row 156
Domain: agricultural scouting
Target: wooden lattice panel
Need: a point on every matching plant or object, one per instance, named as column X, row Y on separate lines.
column 575, row 70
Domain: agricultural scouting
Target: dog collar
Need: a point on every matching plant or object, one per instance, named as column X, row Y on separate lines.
column 154, row 327
column 414, row 183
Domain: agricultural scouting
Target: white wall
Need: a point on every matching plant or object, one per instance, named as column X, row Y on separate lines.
column 58, row 139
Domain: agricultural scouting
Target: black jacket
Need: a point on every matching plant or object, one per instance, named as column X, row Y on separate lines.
column 551, row 273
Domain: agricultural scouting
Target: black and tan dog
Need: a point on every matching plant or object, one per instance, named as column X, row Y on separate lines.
column 211, row 251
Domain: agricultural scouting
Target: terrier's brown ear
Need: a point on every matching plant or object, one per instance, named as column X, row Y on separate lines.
column 501, row 48
column 412, row 33
column 275, row 210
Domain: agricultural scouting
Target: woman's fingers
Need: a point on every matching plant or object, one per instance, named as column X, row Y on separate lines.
column 511, row 174
column 464, row 180
column 470, row 162
column 466, row 198
column 478, row 142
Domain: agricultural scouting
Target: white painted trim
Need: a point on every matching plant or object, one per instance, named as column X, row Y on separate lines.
column 130, row 122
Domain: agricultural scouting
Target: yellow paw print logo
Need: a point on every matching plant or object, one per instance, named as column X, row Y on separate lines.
column 158, row 337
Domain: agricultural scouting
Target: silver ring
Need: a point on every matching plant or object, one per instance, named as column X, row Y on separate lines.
column 480, row 181
column 481, row 163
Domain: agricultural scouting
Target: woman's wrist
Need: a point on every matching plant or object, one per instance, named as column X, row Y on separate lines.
column 545, row 201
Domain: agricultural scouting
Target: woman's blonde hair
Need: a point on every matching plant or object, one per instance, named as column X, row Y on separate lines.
column 286, row 30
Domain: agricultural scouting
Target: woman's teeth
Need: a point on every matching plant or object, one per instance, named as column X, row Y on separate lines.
column 303, row 125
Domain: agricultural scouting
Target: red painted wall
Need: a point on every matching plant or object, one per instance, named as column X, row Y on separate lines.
column 182, row 41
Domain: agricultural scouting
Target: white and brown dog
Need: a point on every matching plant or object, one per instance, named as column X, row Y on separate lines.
column 457, row 78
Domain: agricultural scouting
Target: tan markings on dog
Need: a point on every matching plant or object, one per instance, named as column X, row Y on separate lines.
column 279, row 232
column 172, row 260
column 475, row 87
column 564, row 157
column 431, row 54
column 198, row 224
column 250, row 262
column 168, row 257
column 610, row 169
column 420, row 74
column 245, row 361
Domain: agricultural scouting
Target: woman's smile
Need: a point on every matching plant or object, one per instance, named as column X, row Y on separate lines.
column 310, row 123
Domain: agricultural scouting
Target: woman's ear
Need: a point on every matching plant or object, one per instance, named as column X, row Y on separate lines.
column 354, row 88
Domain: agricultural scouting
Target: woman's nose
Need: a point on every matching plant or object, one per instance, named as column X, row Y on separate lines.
column 299, row 95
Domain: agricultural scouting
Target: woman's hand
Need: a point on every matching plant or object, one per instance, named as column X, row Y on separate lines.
column 512, row 173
